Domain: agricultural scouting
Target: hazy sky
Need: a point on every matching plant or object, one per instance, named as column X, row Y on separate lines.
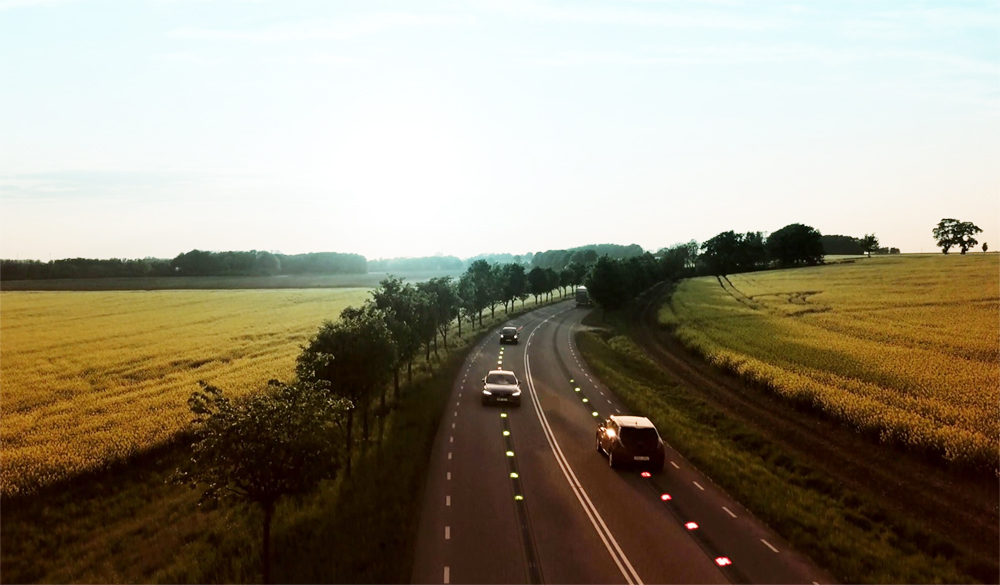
column 152, row 127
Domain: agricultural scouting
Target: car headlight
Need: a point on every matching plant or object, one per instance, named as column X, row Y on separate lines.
column 487, row 392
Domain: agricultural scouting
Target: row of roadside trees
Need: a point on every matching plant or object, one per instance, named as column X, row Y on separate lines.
column 286, row 440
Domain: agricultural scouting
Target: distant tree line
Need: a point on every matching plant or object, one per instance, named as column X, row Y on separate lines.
column 428, row 264
column 193, row 263
column 585, row 255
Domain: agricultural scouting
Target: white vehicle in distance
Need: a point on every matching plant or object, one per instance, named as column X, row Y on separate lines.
column 501, row 387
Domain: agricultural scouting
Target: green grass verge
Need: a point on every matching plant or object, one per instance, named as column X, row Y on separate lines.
column 852, row 537
column 129, row 524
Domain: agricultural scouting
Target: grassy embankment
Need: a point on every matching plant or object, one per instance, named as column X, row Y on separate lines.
column 125, row 523
column 904, row 349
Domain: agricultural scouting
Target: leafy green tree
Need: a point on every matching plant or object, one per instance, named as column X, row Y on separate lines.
column 606, row 284
column 567, row 278
column 952, row 232
column 267, row 264
column 352, row 358
column 551, row 281
column 486, row 287
column 985, row 247
column 718, row 254
column 467, row 305
column 399, row 305
column 443, row 305
column 869, row 244
column 277, row 443
column 513, row 284
column 538, row 282
column 795, row 245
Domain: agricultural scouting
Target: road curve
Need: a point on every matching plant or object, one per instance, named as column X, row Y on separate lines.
column 520, row 494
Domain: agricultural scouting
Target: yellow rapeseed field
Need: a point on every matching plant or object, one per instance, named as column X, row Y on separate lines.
column 905, row 347
column 89, row 378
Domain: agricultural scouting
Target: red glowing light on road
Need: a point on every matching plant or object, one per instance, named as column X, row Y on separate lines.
column 723, row 561
column 691, row 525
column 646, row 474
column 665, row 497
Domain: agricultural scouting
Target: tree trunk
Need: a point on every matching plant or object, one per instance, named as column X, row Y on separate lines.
column 266, row 554
column 427, row 355
column 493, row 311
column 480, row 317
column 350, row 425
column 459, row 328
column 364, row 419
column 395, row 382
column 435, row 344
column 409, row 373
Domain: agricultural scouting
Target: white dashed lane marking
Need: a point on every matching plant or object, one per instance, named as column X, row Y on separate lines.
column 451, row 439
column 448, row 477
column 452, row 425
column 447, row 532
column 675, row 465
column 449, row 454
column 728, row 511
column 447, row 500
column 768, row 545
column 699, row 485
column 447, row 575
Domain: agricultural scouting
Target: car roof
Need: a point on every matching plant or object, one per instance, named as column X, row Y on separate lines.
column 501, row 372
column 510, row 327
column 639, row 422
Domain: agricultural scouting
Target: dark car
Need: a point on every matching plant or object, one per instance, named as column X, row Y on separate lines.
column 631, row 440
column 509, row 335
column 501, row 387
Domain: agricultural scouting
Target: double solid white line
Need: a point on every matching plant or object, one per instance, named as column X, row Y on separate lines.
column 631, row 577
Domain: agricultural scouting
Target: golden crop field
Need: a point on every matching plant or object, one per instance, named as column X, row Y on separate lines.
column 88, row 378
column 906, row 347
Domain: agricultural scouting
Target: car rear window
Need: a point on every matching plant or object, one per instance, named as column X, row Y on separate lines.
column 634, row 438
column 503, row 379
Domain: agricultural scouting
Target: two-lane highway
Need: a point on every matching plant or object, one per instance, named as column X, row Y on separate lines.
column 520, row 494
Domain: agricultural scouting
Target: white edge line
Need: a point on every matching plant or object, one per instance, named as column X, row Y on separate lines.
column 769, row 545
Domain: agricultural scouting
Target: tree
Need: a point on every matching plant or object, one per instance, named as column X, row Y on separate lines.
column 551, row 281
column 951, row 232
column 466, row 291
column 606, row 284
column 352, row 358
column 537, row 282
column 794, row 245
column 567, row 278
column 869, row 244
column 399, row 306
column 985, row 247
column 513, row 284
column 443, row 305
column 718, row 254
column 277, row 443
column 486, row 287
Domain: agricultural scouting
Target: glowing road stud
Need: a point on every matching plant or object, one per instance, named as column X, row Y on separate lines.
column 571, row 381
column 519, row 497
column 665, row 497
column 723, row 561
column 646, row 474
column 576, row 389
column 594, row 413
column 510, row 453
column 585, row 400
column 691, row 525
column 513, row 475
column 503, row 415
column 506, row 433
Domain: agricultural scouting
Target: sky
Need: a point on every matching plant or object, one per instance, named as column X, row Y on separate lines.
column 143, row 128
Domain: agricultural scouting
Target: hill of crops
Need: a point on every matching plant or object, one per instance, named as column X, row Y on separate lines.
column 905, row 348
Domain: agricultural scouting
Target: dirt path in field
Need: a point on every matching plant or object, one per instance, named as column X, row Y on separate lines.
column 962, row 507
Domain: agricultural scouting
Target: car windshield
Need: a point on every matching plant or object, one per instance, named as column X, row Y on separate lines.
column 509, row 330
column 634, row 438
column 502, row 379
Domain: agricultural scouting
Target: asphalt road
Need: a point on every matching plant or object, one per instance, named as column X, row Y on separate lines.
column 521, row 495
